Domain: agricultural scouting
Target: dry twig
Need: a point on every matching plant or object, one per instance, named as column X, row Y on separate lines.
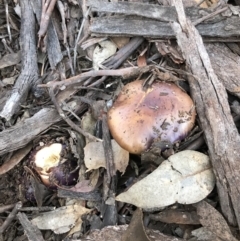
column 10, row 217
column 47, row 8
column 31, row 231
column 7, row 18
column 6, row 208
column 131, row 71
column 66, row 118
column 78, row 37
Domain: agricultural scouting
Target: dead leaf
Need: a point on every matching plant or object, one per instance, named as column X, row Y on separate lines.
column 203, row 234
column 10, row 60
column 83, row 186
column 95, row 157
column 77, row 227
column 141, row 61
column 114, row 233
column 136, row 230
column 120, row 41
column 17, row 9
column 176, row 216
column 91, row 41
column 186, row 178
column 39, row 191
column 10, row 80
column 214, row 221
column 109, row 233
column 170, row 49
column 88, row 124
column 60, row 220
column 15, row 159
column 166, row 76
column 94, row 177
column 103, row 51
column 236, row 90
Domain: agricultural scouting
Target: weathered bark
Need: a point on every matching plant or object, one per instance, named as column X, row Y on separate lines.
column 90, row 196
column 136, row 26
column 53, row 46
column 150, row 11
column 21, row 134
column 29, row 72
column 213, row 110
column 30, row 230
column 226, row 65
column 148, row 20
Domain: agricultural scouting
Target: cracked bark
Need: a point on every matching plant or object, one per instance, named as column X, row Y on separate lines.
column 29, row 72
column 213, row 110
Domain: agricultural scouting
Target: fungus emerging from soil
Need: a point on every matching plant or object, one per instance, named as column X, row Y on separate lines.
column 52, row 168
column 162, row 112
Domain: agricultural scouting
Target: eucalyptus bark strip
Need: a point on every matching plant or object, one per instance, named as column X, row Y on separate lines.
column 22, row 133
column 214, row 114
column 29, row 72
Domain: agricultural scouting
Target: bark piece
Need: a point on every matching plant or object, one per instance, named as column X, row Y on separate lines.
column 214, row 221
column 135, row 26
column 150, row 11
column 19, row 135
column 226, row 65
column 29, row 73
column 47, row 8
column 150, row 20
column 91, row 196
column 31, row 231
column 53, row 46
column 214, row 113
column 136, row 230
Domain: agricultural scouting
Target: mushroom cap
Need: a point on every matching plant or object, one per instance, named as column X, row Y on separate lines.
column 162, row 112
column 53, row 168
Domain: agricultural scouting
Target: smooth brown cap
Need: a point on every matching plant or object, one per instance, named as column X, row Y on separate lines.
column 138, row 117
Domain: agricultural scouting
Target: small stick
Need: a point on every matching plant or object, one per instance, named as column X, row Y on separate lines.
column 39, row 209
column 77, row 40
column 210, row 15
column 47, row 8
column 7, row 18
column 94, row 73
column 31, row 231
column 6, row 207
column 64, row 27
column 70, row 59
column 107, row 145
column 70, row 123
column 116, row 60
column 112, row 63
column 10, row 217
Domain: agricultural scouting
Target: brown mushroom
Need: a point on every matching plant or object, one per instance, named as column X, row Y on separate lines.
column 138, row 117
